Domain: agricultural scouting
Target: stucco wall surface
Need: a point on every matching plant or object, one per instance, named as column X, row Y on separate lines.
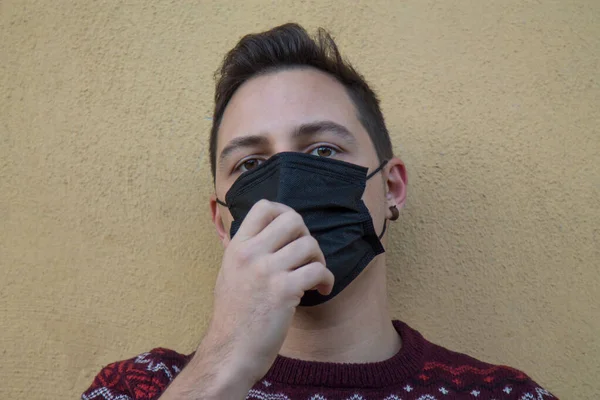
column 106, row 247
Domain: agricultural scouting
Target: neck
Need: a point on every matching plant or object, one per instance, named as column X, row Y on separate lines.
column 353, row 327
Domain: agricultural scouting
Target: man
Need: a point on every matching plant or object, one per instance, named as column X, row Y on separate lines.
column 305, row 185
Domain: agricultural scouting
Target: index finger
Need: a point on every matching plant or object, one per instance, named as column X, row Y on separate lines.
column 260, row 215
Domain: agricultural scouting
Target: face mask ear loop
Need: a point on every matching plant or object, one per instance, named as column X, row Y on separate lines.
column 383, row 164
column 384, row 226
column 221, row 203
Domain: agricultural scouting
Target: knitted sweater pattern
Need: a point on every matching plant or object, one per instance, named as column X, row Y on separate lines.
column 421, row 370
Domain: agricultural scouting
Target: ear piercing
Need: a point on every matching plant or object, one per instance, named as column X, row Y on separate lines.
column 395, row 213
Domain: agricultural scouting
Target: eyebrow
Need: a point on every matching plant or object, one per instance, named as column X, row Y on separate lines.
column 241, row 142
column 302, row 131
column 314, row 128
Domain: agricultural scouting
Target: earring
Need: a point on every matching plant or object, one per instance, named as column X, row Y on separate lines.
column 395, row 213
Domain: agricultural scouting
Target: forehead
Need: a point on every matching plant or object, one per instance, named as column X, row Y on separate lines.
column 277, row 102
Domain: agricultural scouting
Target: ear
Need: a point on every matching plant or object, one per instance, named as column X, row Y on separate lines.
column 217, row 219
column 396, row 184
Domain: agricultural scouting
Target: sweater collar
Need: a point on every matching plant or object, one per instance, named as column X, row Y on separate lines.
column 403, row 364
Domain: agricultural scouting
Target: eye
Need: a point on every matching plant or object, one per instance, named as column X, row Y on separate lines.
column 249, row 164
column 324, row 151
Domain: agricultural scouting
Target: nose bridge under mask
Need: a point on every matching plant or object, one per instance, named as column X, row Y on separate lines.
column 263, row 170
column 252, row 179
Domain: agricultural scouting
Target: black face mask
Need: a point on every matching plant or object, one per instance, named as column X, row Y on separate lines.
column 327, row 193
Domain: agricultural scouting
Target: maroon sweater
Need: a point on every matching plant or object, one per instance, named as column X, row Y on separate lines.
column 419, row 371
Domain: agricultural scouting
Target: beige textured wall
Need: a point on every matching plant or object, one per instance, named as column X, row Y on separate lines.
column 106, row 249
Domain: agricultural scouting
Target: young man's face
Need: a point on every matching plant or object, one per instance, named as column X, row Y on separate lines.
column 300, row 110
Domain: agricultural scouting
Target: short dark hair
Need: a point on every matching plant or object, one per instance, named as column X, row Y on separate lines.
column 290, row 46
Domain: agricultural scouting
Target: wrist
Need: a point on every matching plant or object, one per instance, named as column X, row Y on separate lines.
column 207, row 378
column 192, row 384
column 227, row 357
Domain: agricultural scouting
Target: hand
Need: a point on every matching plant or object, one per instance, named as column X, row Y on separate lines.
column 267, row 266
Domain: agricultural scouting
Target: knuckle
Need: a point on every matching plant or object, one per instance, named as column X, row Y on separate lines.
column 244, row 254
column 261, row 269
column 307, row 243
column 314, row 244
column 288, row 217
column 295, row 220
column 262, row 204
column 298, row 219
column 319, row 267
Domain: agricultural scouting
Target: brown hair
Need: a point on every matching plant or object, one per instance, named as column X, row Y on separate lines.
column 290, row 46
